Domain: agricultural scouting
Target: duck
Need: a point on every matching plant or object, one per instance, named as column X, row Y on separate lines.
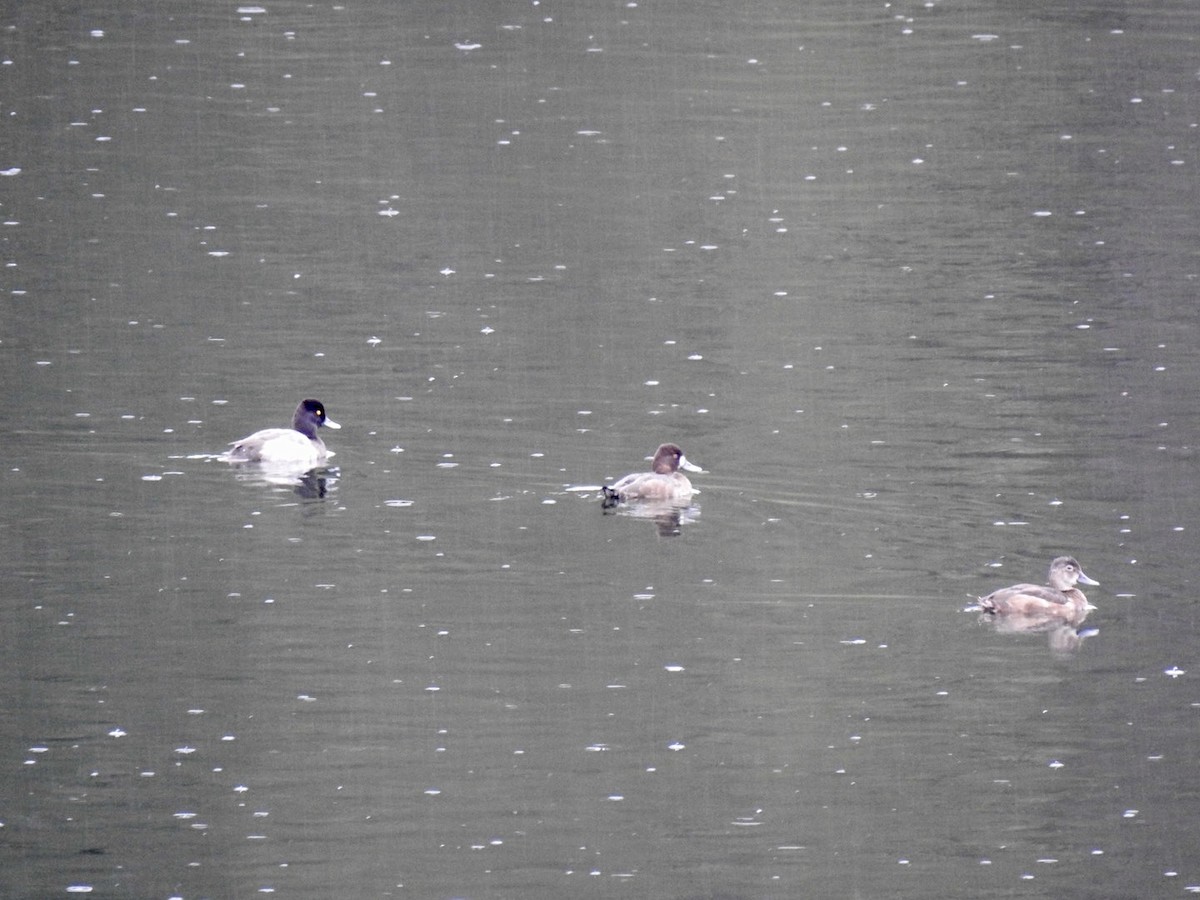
column 1059, row 600
column 664, row 483
column 295, row 446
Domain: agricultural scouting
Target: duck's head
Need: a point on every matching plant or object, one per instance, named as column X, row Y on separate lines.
column 669, row 458
column 310, row 415
column 1065, row 573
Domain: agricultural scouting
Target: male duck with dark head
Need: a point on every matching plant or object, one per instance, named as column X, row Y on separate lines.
column 1059, row 599
column 664, row 483
column 295, row 446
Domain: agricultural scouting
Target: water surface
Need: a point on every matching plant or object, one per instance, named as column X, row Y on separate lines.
column 914, row 283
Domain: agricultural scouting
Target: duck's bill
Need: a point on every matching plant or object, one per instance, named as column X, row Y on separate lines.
column 1083, row 579
column 690, row 466
column 329, row 423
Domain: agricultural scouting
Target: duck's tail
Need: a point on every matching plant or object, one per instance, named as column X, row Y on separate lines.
column 611, row 497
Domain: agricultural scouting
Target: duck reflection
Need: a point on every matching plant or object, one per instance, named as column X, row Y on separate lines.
column 669, row 518
column 1064, row 638
column 305, row 483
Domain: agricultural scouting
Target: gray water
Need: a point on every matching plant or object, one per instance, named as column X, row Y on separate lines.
column 916, row 284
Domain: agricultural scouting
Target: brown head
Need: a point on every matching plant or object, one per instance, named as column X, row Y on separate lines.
column 1065, row 573
column 668, row 459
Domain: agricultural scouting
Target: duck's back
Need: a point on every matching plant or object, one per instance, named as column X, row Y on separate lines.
column 1027, row 599
column 278, row 445
column 653, row 486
